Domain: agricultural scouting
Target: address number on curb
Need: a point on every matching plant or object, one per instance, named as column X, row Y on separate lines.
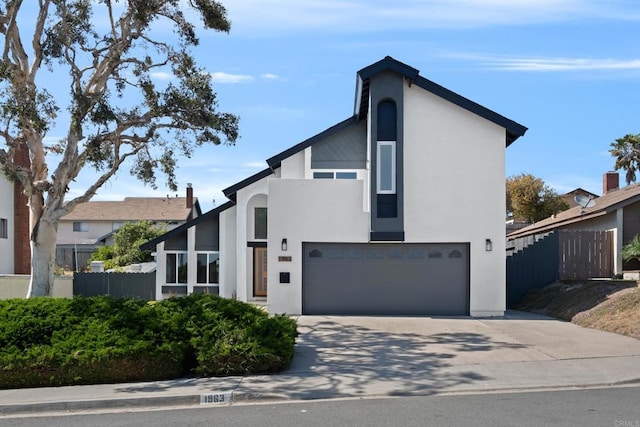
column 215, row 398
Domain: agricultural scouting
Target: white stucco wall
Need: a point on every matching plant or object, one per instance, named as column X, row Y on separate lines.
column 6, row 212
column 454, row 183
column 228, row 283
column 308, row 211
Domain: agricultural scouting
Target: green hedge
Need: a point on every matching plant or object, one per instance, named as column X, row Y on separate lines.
column 54, row 342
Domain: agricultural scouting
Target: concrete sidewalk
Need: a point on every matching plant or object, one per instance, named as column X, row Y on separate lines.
column 385, row 356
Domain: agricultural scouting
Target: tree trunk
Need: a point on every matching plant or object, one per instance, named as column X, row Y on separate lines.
column 43, row 257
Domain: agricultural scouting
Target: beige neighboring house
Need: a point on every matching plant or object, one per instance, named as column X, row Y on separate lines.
column 92, row 224
column 617, row 210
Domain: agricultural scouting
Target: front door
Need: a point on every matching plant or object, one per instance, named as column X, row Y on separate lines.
column 259, row 272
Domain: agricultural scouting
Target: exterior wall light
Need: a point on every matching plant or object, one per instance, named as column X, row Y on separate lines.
column 283, row 245
column 488, row 245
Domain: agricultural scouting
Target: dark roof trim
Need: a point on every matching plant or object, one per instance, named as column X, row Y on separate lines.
column 151, row 245
column 230, row 192
column 514, row 129
column 275, row 161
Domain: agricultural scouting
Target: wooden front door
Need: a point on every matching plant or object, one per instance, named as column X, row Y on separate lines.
column 259, row 272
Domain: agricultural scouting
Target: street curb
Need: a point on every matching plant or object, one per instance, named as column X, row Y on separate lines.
column 79, row 405
column 194, row 400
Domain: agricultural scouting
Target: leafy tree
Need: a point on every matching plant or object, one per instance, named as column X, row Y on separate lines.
column 626, row 151
column 126, row 243
column 531, row 199
column 106, row 52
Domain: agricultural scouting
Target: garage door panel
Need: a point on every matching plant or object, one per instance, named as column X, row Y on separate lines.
column 385, row 278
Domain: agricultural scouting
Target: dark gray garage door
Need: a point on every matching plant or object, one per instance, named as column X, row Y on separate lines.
column 385, row 279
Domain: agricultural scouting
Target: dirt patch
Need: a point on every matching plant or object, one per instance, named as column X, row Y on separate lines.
column 612, row 306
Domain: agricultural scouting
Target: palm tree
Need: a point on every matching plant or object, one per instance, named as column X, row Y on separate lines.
column 626, row 150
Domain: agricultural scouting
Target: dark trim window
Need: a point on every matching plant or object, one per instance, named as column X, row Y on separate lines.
column 260, row 223
column 4, row 228
column 177, row 268
column 80, row 226
column 335, row 175
column 208, row 268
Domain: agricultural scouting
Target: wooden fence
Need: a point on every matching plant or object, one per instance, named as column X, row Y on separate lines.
column 559, row 255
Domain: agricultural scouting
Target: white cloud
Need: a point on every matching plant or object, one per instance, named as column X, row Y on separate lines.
column 254, row 165
column 224, row 78
column 161, row 75
column 259, row 16
column 552, row 64
column 269, row 76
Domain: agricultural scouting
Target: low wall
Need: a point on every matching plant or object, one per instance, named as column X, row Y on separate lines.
column 16, row 286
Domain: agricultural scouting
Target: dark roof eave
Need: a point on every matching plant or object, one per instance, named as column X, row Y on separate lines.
column 231, row 191
column 150, row 245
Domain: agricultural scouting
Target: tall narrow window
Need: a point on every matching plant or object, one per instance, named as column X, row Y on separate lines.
column 386, row 167
column 386, row 148
column 260, row 223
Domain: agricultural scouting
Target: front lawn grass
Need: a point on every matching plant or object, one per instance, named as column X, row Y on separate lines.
column 55, row 342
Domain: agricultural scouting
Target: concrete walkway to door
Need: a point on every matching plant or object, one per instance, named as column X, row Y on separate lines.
column 384, row 356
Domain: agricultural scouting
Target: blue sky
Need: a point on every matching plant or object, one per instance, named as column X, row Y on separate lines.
column 569, row 70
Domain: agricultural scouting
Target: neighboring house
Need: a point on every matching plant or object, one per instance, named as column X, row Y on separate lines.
column 92, row 224
column 14, row 224
column 366, row 217
column 617, row 210
column 570, row 197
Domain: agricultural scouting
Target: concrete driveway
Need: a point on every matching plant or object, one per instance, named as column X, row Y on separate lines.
column 365, row 356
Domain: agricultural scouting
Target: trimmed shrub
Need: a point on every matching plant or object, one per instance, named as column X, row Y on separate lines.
column 54, row 342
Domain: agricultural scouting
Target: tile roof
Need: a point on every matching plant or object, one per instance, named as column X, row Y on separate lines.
column 603, row 205
column 133, row 209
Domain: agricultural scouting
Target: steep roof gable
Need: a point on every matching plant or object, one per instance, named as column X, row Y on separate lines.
column 514, row 129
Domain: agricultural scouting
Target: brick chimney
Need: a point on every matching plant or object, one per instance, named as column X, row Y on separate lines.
column 610, row 182
column 190, row 200
column 21, row 234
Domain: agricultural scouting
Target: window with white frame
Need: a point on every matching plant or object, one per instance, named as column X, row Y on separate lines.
column 386, row 167
column 80, row 226
column 176, row 267
column 4, row 228
column 208, row 268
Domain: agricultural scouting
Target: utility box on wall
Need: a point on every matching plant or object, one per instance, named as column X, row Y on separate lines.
column 285, row 277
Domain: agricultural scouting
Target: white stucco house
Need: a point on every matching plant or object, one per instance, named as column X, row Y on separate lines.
column 399, row 209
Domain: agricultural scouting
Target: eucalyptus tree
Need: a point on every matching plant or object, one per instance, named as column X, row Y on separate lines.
column 106, row 54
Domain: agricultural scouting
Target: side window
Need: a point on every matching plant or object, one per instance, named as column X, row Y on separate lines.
column 260, row 223
column 4, row 229
column 80, row 226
